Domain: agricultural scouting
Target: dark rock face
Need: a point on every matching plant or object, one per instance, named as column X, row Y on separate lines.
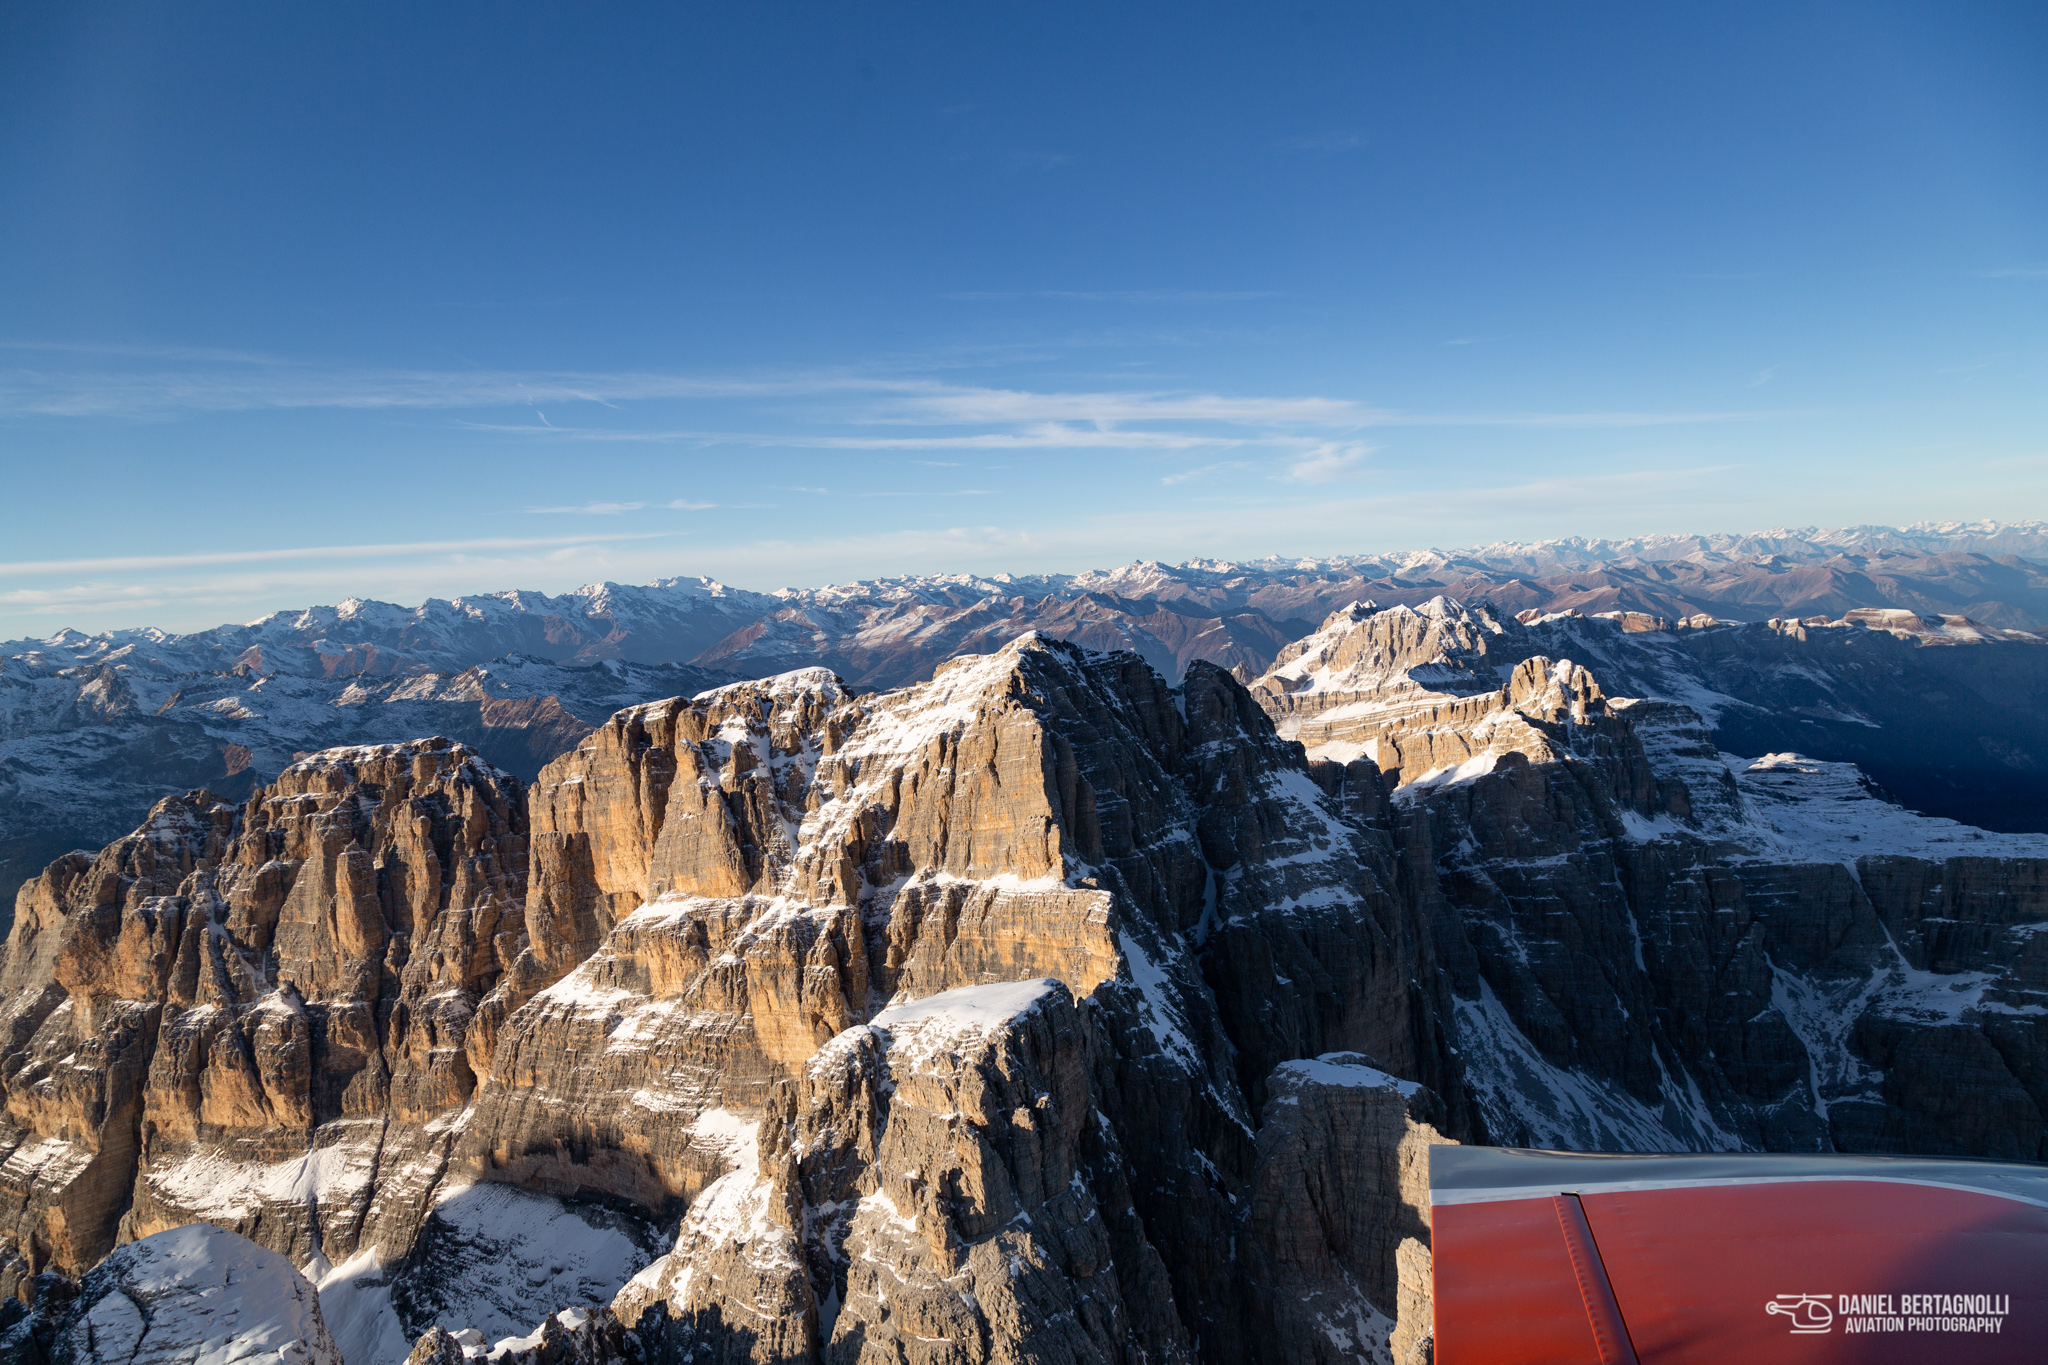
column 1040, row 811
column 1337, row 1229
column 1657, row 945
column 1041, row 1007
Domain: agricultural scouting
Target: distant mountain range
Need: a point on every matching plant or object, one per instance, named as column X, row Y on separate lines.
column 95, row 727
column 887, row 632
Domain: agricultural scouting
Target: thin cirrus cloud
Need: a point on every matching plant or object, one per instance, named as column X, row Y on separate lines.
column 39, row 568
column 100, row 591
column 612, row 509
column 199, row 380
column 1205, row 471
column 1587, row 420
column 1010, row 418
column 928, row 493
column 959, row 404
column 1041, row 436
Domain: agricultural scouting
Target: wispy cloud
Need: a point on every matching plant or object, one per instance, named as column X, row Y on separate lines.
column 594, row 509
column 38, row 568
column 927, row 493
column 1294, row 521
column 1329, row 463
column 124, row 349
column 824, row 409
column 612, row 509
column 1299, row 439
column 966, row 405
column 226, row 381
column 2016, row 272
column 1039, row 436
column 1585, row 420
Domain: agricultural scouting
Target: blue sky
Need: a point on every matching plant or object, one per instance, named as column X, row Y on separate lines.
column 298, row 302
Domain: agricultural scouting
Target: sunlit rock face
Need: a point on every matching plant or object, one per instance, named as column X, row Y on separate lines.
column 770, row 869
column 1040, row 1006
column 255, row 1016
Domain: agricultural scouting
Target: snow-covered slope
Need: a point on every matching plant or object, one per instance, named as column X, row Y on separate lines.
column 1806, row 809
column 197, row 1295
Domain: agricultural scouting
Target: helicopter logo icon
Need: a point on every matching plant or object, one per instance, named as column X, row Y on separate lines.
column 1810, row 1313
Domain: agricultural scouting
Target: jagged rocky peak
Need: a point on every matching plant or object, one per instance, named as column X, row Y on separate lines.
column 1695, row 949
column 1442, row 693
column 1390, row 661
column 754, row 993
column 771, row 873
column 791, row 791
column 1366, row 641
column 946, row 1142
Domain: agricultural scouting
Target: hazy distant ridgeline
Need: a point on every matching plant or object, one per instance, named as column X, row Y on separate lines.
column 886, row 632
column 95, row 727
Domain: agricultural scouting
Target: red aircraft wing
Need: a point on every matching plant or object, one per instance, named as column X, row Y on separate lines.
column 1559, row 1258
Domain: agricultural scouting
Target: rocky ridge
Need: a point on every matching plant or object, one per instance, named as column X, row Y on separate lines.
column 699, row 979
column 1038, row 1007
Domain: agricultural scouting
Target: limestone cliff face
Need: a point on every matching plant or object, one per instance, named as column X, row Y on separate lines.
column 224, row 990
column 1040, row 1009
column 770, row 865
column 931, row 1189
column 1369, row 668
